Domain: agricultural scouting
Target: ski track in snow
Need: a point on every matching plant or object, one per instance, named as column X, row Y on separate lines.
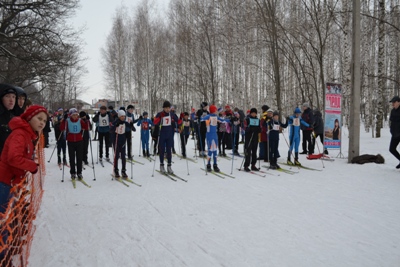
column 344, row 215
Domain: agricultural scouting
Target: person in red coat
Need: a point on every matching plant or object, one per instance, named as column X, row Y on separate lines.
column 74, row 128
column 18, row 153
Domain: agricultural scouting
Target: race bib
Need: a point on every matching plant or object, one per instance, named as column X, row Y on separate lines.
column 254, row 122
column 296, row 121
column 166, row 121
column 128, row 119
column 236, row 122
column 145, row 125
column 213, row 121
column 275, row 127
column 103, row 121
column 186, row 123
column 120, row 129
column 204, row 114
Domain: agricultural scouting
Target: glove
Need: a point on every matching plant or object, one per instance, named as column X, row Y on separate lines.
column 65, row 116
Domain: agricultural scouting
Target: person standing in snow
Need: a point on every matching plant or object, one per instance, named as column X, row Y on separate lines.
column 274, row 128
column 308, row 117
column 61, row 142
column 86, row 119
column 184, row 131
column 252, row 129
column 145, row 125
column 395, row 128
column 8, row 109
column 104, row 120
column 202, row 129
column 165, row 121
column 318, row 130
column 295, row 122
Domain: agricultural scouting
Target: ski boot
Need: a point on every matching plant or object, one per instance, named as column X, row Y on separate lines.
column 254, row 168
column 173, row 151
column 144, row 153
column 209, row 168
column 184, row 155
column 73, row 176
column 107, row 159
column 124, row 175
column 116, row 174
column 289, row 161
column 162, row 169
column 80, row 177
column 147, row 153
column 326, row 152
column 215, row 167
column 296, row 159
column 246, row 169
column 169, row 169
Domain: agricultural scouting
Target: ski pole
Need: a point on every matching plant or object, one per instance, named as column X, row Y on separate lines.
column 233, row 148
column 141, row 141
column 155, row 154
column 55, row 146
column 246, row 150
column 195, row 145
column 91, row 152
column 115, row 152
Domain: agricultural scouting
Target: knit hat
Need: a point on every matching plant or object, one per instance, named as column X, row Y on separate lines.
column 7, row 89
column 122, row 108
column 145, row 113
column 166, row 104
column 276, row 113
column 253, row 110
column 130, row 106
column 193, row 109
column 227, row 107
column 32, row 111
column 121, row 113
column 213, row 109
column 82, row 114
column 203, row 104
column 306, row 105
column 270, row 110
column 110, row 107
column 297, row 110
column 73, row 111
column 185, row 114
column 264, row 108
column 60, row 109
column 395, row 99
column 220, row 110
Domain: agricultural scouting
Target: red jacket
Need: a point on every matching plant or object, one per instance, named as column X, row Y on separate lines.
column 71, row 137
column 16, row 158
column 263, row 122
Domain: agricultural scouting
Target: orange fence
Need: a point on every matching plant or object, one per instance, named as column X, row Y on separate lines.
column 16, row 223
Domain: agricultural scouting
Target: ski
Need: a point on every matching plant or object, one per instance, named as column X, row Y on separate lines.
column 225, row 157
column 215, row 173
column 84, row 182
column 101, row 163
column 281, row 170
column 300, row 166
column 167, row 175
column 73, row 183
column 240, row 156
column 119, row 180
column 134, row 161
column 177, row 177
column 269, row 173
column 189, row 159
column 131, row 181
column 253, row 172
column 227, row 175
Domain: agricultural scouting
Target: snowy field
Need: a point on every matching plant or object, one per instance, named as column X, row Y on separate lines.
column 344, row 215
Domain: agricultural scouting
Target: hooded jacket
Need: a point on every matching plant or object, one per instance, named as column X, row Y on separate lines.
column 18, row 152
column 6, row 115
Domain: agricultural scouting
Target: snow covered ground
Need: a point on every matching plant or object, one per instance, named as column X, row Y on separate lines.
column 344, row 215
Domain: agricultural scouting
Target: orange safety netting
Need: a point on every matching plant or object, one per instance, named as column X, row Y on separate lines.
column 16, row 223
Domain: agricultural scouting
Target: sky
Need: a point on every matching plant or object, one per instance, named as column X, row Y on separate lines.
column 96, row 16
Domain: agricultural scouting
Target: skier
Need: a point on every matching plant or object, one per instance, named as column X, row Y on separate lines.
column 235, row 132
column 202, row 129
column 395, row 128
column 146, row 125
column 165, row 121
column 86, row 119
column 74, row 128
column 252, row 129
column 222, row 134
column 265, row 117
column 118, row 138
column 211, row 122
column 60, row 137
column 184, row 131
column 294, row 135
column 274, row 128
column 130, row 118
column 104, row 120
column 308, row 117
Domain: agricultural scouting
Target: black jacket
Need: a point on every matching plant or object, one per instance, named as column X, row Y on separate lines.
column 6, row 115
column 308, row 117
column 318, row 123
column 395, row 122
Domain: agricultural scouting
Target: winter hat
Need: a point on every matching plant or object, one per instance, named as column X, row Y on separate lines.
column 121, row 113
column 248, row 111
column 32, row 111
column 110, row 107
column 213, row 109
column 306, row 105
column 185, row 114
column 395, row 99
column 166, row 104
column 73, row 111
column 145, row 113
column 220, row 110
column 130, row 106
column 270, row 110
column 172, row 107
column 203, row 104
column 227, row 107
column 82, row 114
column 264, row 108
column 122, row 108
column 60, row 109
column 297, row 110
column 7, row 89
column 276, row 113
column 236, row 114
column 193, row 109
column 253, row 110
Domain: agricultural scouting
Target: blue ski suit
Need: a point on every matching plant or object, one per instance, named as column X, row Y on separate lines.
column 211, row 121
column 145, row 124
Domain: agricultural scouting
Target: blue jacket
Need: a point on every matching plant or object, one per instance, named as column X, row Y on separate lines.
column 295, row 124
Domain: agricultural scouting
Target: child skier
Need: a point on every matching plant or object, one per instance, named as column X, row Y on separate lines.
column 235, row 133
column 184, row 130
column 202, row 129
column 294, row 135
column 222, row 134
column 104, row 120
column 274, row 128
column 118, row 138
column 211, row 121
column 165, row 121
column 145, row 124
column 86, row 120
column 74, row 128
column 60, row 137
column 252, row 129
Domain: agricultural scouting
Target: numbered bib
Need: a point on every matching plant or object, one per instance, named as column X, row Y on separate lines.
column 128, row 119
column 166, row 121
column 145, row 125
column 296, row 121
column 186, row 123
column 254, row 122
column 103, row 121
column 213, row 121
column 275, row 127
column 120, row 129
column 74, row 127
